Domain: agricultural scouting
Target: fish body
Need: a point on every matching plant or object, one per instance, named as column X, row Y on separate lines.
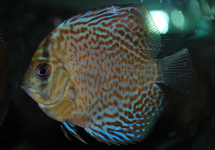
column 98, row 70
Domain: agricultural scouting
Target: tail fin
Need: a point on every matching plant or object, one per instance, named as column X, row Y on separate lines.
column 177, row 71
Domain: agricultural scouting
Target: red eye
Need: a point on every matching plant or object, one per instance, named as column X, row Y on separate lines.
column 43, row 71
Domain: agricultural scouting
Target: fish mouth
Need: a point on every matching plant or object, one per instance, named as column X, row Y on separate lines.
column 36, row 96
column 26, row 88
column 33, row 93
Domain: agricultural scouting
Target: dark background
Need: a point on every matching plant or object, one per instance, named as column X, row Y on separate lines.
column 188, row 121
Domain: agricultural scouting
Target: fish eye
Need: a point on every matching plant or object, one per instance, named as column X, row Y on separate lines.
column 43, row 71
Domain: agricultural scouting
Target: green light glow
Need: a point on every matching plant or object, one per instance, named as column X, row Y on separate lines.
column 177, row 18
column 161, row 20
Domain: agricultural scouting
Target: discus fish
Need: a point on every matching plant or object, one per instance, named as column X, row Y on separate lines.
column 99, row 70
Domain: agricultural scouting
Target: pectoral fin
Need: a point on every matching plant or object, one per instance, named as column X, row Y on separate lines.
column 71, row 128
column 63, row 129
column 177, row 71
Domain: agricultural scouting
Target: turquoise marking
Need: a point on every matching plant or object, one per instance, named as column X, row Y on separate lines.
column 43, row 81
column 33, row 79
column 44, row 58
column 43, row 91
column 130, row 134
column 110, row 136
column 150, row 108
column 67, row 126
column 47, row 103
column 99, row 135
column 123, row 135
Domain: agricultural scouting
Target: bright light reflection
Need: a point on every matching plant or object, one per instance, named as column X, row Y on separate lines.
column 177, row 18
column 161, row 20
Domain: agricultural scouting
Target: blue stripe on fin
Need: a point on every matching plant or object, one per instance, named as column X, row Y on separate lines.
column 98, row 137
column 64, row 131
column 71, row 128
column 110, row 138
column 125, row 137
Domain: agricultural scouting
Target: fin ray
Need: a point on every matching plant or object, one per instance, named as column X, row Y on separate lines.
column 177, row 71
column 64, row 132
column 71, row 128
column 152, row 36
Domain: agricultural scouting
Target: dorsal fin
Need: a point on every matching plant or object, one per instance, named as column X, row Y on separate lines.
column 151, row 33
column 129, row 25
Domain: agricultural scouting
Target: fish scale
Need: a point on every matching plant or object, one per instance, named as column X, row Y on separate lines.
column 104, row 74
